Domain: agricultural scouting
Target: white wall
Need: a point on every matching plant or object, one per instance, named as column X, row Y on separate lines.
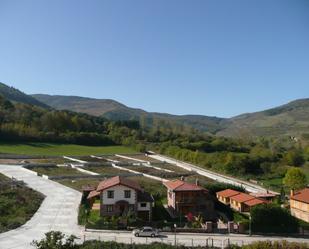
column 118, row 195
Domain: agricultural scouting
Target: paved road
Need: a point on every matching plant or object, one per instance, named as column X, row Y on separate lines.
column 57, row 212
column 187, row 239
column 253, row 188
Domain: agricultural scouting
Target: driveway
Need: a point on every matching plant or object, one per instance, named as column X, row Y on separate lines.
column 58, row 211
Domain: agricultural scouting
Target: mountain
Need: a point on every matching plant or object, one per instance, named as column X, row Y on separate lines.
column 114, row 110
column 16, row 95
column 289, row 119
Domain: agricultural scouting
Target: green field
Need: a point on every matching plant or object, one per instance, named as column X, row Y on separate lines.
column 49, row 149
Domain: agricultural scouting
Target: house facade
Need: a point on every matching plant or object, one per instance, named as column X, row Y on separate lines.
column 119, row 195
column 299, row 204
column 184, row 198
column 238, row 201
column 225, row 195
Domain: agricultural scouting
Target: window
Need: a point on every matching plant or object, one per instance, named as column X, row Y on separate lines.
column 143, row 204
column 127, row 194
column 110, row 194
column 109, row 208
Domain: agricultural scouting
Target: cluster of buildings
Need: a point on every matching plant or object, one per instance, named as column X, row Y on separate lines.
column 243, row 202
column 119, row 195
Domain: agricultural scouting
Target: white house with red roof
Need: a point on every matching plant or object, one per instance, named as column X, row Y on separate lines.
column 184, row 198
column 119, row 195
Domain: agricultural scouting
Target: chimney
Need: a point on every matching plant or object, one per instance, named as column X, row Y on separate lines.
column 182, row 178
column 197, row 183
column 292, row 192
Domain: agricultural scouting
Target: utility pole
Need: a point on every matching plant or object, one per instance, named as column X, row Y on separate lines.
column 250, row 232
column 175, row 242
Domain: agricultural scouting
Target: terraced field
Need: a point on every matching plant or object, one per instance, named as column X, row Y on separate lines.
column 56, row 171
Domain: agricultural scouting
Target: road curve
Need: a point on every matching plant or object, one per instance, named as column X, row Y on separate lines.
column 58, row 211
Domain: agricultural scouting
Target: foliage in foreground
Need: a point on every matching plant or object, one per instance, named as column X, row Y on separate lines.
column 57, row 240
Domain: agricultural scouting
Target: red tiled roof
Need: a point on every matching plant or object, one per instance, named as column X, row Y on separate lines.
column 228, row 193
column 254, row 202
column 117, row 180
column 178, row 185
column 301, row 195
column 242, row 197
column 92, row 194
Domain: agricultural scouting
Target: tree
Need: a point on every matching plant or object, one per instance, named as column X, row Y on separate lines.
column 56, row 240
column 294, row 158
column 295, row 178
column 271, row 218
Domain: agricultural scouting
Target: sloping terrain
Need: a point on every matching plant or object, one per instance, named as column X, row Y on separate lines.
column 116, row 111
column 289, row 119
column 15, row 95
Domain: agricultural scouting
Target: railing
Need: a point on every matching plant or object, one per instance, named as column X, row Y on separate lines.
column 172, row 240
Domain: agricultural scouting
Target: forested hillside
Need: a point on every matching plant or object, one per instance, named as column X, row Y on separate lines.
column 114, row 110
column 291, row 119
column 15, row 95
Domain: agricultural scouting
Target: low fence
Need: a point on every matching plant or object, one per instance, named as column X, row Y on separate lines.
column 207, row 242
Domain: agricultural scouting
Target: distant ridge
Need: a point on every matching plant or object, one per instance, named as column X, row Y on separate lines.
column 16, row 95
column 289, row 119
column 114, row 110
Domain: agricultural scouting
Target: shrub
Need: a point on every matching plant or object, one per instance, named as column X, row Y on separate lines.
column 270, row 218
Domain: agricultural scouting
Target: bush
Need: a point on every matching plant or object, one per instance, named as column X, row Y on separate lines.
column 270, row 218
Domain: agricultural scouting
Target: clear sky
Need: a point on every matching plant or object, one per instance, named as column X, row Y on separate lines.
column 205, row 57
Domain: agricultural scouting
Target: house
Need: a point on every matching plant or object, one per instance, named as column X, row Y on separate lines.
column 184, row 198
column 299, row 204
column 225, row 195
column 243, row 202
column 119, row 195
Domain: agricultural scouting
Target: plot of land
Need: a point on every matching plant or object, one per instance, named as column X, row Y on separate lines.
column 56, row 171
column 92, row 159
column 49, row 149
column 78, row 184
column 145, row 158
column 154, row 171
column 106, row 170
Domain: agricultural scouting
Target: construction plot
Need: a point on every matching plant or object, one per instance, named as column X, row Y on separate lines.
column 55, row 171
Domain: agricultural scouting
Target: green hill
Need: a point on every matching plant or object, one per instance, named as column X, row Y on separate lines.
column 290, row 119
column 15, row 95
column 114, row 110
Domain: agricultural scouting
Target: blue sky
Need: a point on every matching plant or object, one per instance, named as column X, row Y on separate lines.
column 205, row 57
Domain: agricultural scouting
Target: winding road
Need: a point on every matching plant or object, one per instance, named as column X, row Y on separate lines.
column 58, row 211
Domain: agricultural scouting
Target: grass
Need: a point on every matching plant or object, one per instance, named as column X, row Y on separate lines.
column 49, row 149
column 17, row 204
